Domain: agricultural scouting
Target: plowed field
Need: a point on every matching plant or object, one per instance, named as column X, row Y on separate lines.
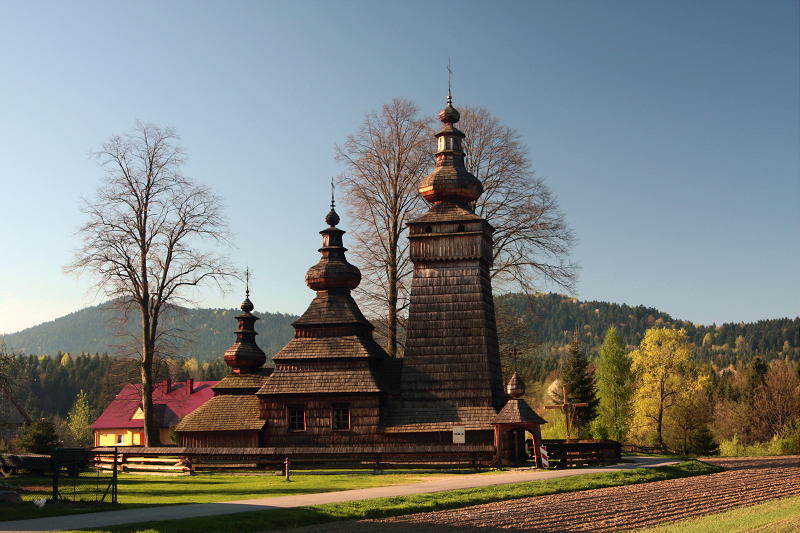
column 744, row 482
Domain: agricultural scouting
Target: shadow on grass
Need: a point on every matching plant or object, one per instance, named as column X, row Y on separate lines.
column 29, row 510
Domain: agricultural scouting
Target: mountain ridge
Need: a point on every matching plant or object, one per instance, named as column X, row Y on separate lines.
column 552, row 318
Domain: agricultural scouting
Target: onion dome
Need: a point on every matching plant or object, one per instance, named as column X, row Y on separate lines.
column 449, row 115
column 245, row 355
column 515, row 387
column 333, row 271
column 450, row 181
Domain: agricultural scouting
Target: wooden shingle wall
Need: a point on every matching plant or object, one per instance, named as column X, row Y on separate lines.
column 364, row 420
column 451, row 369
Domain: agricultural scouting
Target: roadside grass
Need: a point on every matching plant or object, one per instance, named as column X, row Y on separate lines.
column 774, row 516
column 277, row 519
column 145, row 491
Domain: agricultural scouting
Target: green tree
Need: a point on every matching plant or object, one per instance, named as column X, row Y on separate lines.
column 665, row 377
column 79, row 420
column 39, row 437
column 703, row 442
column 613, row 375
column 577, row 376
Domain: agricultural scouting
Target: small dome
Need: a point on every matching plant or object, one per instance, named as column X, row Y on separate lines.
column 247, row 305
column 447, row 183
column 515, row 387
column 332, row 218
column 333, row 273
column 449, row 115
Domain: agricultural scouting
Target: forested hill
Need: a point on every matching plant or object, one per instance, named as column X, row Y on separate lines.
column 554, row 317
column 91, row 330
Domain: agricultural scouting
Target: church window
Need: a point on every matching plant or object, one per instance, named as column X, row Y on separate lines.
column 428, row 229
column 296, row 416
column 341, row 416
column 460, row 227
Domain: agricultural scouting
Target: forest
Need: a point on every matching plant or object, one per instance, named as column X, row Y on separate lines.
column 739, row 366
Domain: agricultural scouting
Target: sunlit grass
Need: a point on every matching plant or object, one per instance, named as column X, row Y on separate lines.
column 401, row 505
column 142, row 490
column 774, row 516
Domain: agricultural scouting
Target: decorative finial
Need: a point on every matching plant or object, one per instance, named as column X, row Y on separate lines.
column 515, row 387
column 449, row 81
column 332, row 218
column 247, row 305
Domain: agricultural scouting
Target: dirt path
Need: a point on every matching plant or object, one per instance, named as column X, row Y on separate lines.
column 746, row 481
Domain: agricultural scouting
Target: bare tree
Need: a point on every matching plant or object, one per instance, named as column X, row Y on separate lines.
column 532, row 240
column 384, row 161
column 143, row 240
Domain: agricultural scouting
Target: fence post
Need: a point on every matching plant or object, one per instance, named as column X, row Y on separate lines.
column 286, row 466
column 114, row 479
column 56, row 467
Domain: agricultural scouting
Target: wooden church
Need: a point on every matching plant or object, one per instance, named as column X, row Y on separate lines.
column 333, row 388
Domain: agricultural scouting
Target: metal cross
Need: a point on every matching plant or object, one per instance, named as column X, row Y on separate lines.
column 332, row 189
column 247, row 282
column 449, row 81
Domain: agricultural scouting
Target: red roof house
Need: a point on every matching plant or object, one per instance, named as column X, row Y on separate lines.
column 122, row 423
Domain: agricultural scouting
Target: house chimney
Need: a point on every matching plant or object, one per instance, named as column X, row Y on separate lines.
column 189, row 386
column 167, row 384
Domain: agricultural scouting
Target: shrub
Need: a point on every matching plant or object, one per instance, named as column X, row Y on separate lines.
column 702, row 442
column 39, row 437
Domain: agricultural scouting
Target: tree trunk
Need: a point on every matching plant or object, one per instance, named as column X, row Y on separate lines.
column 392, row 326
column 391, row 347
column 151, row 433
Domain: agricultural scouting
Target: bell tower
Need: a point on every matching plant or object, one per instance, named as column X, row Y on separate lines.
column 451, row 369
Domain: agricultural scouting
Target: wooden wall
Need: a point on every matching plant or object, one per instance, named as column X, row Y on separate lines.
column 220, row 439
column 364, row 420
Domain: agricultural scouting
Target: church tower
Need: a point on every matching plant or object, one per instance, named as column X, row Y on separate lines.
column 451, row 372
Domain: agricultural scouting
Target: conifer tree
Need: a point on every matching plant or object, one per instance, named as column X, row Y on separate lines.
column 577, row 376
column 39, row 437
column 613, row 375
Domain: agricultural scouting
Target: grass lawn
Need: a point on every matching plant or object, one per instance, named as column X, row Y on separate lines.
column 395, row 506
column 141, row 490
column 774, row 516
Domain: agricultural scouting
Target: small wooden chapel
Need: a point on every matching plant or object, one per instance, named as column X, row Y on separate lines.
column 333, row 388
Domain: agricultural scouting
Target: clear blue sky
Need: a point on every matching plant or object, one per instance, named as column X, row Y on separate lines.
column 670, row 131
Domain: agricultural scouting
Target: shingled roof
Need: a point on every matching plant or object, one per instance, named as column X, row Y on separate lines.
column 333, row 351
column 333, row 380
column 517, row 411
column 225, row 413
column 347, row 346
column 439, row 417
column 242, row 383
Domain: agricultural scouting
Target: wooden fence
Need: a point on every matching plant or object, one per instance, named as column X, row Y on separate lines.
column 574, row 453
column 179, row 460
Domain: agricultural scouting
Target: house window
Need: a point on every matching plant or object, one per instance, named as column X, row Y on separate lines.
column 296, row 415
column 341, row 416
column 120, row 439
